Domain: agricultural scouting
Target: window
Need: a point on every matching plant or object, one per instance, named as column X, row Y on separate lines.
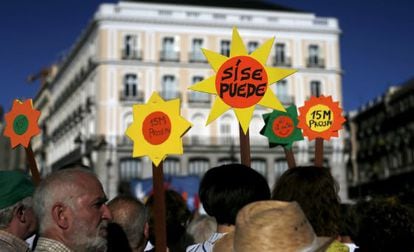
column 196, row 53
column 259, row 165
column 280, row 54
column 130, row 85
column 168, row 50
column 315, row 88
column 313, row 55
column 169, row 87
column 130, row 50
column 225, row 161
column 171, row 166
column 130, row 168
column 198, row 96
column 225, row 48
column 225, row 130
column 251, row 46
column 281, row 91
column 280, row 167
column 198, row 166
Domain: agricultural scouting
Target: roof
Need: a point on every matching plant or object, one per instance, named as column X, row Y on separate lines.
column 241, row 4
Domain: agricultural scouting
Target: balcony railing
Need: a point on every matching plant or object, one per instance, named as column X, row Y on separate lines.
column 315, row 62
column 285, row 62
column 197, row 57
column 199, row 98
column 170, row 94
column 173, row 56
column 132, row 54
column 138, row 97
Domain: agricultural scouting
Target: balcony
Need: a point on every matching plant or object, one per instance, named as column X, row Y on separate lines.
column 132, row 54
column 286, row 99
column 169, row 56
column 199, row 99
column 196, row 57
column 138, row 97
column 315, row 62
column 283, row 62
column 168, row 94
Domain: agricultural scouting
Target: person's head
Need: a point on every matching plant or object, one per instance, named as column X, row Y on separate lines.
column 16, row 212
column 70, row 205
column 271, row 226
column 316, row 192
column 130, row 214
column 384, row 225
column 201, row 228
column 225, row 189
column 177, row 217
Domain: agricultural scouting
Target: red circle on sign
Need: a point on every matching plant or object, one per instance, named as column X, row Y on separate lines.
column 241, row 82
column 156, row 128
column 283, row 126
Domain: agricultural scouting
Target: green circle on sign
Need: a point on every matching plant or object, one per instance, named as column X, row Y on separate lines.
column 20, row 124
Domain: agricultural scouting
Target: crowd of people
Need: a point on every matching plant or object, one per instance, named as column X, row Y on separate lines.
column 69, row 211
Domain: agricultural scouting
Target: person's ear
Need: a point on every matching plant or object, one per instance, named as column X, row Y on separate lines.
column 60, row 215
column 146, row 231
column 19, row 213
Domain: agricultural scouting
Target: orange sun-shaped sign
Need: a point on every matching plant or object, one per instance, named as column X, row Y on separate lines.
column 242, row 81
column 157, row 129
column 21, row 123
column 320, row 117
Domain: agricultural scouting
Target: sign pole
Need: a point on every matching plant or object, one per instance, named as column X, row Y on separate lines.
column 319, row 152
column 159, row 206
column 32, row 165
column 244, row 147
column 290, row 158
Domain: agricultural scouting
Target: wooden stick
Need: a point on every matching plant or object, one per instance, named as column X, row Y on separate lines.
column 319, row 152
column 159, row 208
column 32, row 165
column 244, row 147
column 290, row 158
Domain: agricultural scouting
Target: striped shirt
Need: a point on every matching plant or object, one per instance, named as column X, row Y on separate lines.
column 49, row 245
column 9, row 242
column 206, row 246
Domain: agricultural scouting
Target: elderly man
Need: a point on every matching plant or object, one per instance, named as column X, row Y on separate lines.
column 70, row 205
column 130, row 216
column 17, row 219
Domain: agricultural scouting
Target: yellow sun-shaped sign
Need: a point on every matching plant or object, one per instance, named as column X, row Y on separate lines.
column 157, row 129
column 242, row 81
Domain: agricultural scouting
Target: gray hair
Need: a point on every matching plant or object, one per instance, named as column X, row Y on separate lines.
column 131, row 215
column 6, row 214
column 202, row 227
column 60, row 186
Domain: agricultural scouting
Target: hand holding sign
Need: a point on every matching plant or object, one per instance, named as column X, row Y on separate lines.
column 21, row 126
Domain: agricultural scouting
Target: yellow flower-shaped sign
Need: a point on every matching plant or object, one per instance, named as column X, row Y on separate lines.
column 157, row 129
column 241, row 81
column 21, row 123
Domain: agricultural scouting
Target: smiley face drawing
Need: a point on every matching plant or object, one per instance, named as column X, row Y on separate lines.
column 283, row 126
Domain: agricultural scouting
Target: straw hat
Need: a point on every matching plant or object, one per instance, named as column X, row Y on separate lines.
column 275, row 226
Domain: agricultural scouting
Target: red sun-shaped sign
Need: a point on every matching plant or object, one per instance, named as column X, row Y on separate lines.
column 283, row 126
column 241, row 82
column 21, row 123
column 156, row 128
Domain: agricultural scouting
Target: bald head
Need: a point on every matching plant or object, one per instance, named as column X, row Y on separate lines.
column 130, row 214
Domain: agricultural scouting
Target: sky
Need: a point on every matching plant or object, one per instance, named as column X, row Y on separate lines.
column 377, row 42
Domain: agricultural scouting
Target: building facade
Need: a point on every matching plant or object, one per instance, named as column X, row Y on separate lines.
column 382, row 144
column 131, row 49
